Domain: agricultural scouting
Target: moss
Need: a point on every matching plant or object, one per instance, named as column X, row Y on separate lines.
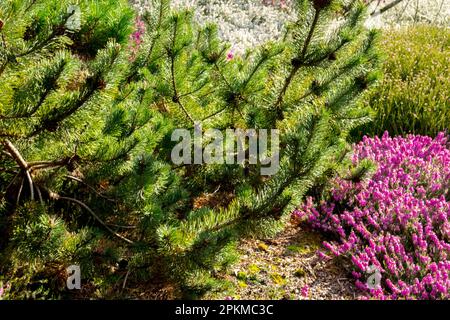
column 300, row 273
column 242, row 275
column 278, row 279
column 301, row 249
column 253, row 269
column 263, row 247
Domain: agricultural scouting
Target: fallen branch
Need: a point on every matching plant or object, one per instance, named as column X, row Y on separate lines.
column 121, row 226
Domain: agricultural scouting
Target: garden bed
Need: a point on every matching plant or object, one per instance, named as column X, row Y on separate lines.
column 101, row 179
column 287, row 267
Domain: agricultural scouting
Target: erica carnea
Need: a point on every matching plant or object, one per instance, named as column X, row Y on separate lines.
column 397, row 221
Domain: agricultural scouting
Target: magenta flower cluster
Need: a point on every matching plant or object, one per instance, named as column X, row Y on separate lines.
column 137, row 37
column 397, row 221
column 4, row 289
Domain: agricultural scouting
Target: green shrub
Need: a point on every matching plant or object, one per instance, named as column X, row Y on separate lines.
column 86, row 124
column 414, row 96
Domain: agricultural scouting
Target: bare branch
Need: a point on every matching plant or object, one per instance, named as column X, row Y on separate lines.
column 121, row 226
column 15, row 154
column 90, row 187
column 19, row 193
column 386, row 7
column 125, row 280
column 56, row 196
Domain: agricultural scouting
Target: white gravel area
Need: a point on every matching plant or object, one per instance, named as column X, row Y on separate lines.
column 242, row 23
column 247, row 23
column 410, row 12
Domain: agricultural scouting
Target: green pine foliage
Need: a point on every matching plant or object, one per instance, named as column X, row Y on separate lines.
column 85, row 126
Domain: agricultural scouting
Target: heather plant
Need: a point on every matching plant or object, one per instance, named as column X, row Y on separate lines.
column 414, row 95
column 393, row 217
column 87, row 112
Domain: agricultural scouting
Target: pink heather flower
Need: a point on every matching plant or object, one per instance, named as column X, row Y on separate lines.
column 322, row 255
column 3, row 288
column 230, row 55
column 298, row 214
column 305, row 291
column 360, row 285
column 136, row 38
column 398, row 220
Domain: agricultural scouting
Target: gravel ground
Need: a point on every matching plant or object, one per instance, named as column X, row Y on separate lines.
column 287, row 267
column 242, row 23
column 247, row 23
column 413, row 11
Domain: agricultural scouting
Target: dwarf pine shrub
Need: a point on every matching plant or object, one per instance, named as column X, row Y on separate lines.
column 87, row 112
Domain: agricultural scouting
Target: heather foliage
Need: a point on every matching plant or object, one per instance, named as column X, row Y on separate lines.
column 397, row 221
column 414, row 95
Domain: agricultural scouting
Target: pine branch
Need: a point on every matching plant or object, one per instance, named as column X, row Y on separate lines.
column 176, row 96
column 90, row 187
column 215, row 113
column 3, row 66
column 47, row 40
column 297, row 63
column 253, row 72
column 44, row 95
column 386, row 7
column 55, row 196
column 152, row 46
column 21, row 162
column 53, row 122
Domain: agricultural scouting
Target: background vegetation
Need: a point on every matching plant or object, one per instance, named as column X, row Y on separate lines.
column 414, row 96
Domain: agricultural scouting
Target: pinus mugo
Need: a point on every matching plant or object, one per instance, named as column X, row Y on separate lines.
column 86, row 118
